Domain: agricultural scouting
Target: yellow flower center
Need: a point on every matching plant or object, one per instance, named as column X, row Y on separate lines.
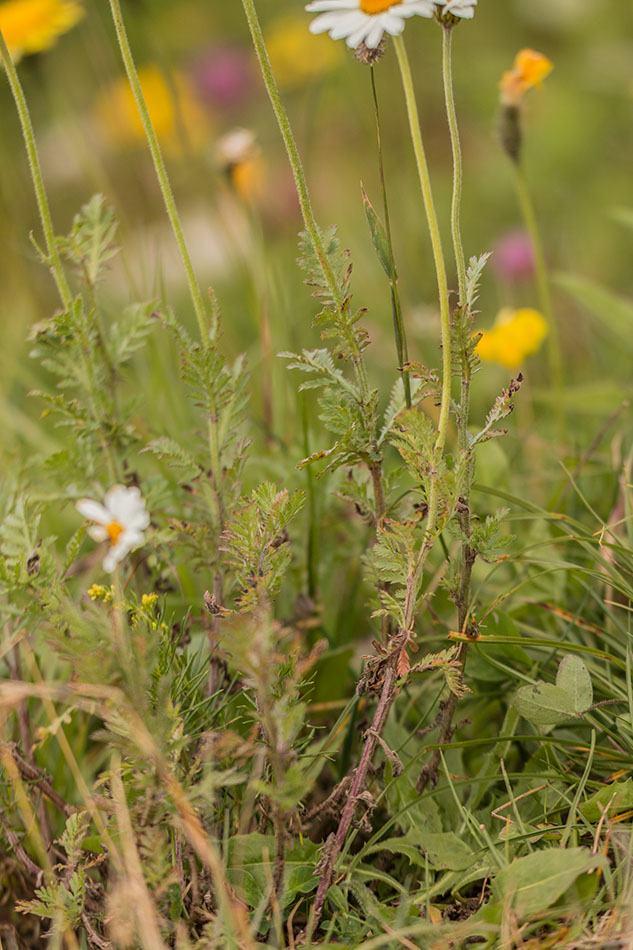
column 372, row 7
column 115, row 530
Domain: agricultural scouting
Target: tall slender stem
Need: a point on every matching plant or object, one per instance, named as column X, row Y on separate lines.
column 36, row 174
column 52, row 251
column 299, row 176
column 555, row 359
column 458, row 173
column 402, row 349
column 159, row 165
column 436, row 239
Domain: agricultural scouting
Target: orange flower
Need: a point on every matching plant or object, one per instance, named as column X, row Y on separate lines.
column 30, row 26
column 530, row 69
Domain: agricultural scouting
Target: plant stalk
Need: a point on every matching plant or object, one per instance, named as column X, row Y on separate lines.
column 402, row 350
column 458, row 170
column 300, row 179
column 467, row 555
column 434, row 230
column 159, row 165
column 554, row 353
column 36, row 174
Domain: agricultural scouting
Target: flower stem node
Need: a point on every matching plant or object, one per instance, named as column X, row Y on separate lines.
column 121, row 521
column 367, row 56
column 450, row 12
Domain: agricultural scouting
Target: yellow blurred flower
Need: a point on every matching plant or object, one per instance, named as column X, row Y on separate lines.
column 296, row 55
column 176, row 115
column 240, row 158
column 529, row 70
column 515, row 335
column 30, row 26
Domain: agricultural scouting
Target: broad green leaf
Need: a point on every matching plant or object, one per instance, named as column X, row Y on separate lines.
column 535, row 882
column 399, row 846
column 249, row 865
column 544, row 704
column 548, row 705
column 613, row 798
column 445, row 850
column 573, row 677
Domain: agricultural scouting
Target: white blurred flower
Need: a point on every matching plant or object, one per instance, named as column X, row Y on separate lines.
column 121, row 520
column 463, row 8
column 365, row 21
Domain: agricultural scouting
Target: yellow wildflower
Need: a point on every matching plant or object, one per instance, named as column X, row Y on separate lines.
column 529, row 70
column 174, row 110
column 516, row 334
column 149, row 600
column 240, row 158
column 297, row 56
column 30, row 26
column 99, row 592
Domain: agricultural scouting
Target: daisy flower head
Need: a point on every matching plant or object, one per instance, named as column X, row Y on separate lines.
column 120, row 520
column 365, row 21
column 458, row 8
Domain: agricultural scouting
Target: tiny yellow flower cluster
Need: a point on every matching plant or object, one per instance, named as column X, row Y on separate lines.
column 145, row 612
column 515, row 335
column 101, row 593
column 31, row 26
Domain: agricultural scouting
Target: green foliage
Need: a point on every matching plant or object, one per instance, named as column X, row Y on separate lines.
column 548, row 704
column 256, row 542
column 183, row 740
column 337, row 321
column 91, row 243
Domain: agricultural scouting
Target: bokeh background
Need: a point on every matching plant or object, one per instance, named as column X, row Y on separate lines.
column 202, row 84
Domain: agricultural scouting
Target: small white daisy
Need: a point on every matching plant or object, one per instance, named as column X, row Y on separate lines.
column 365, row 21
column 463, row 8
column 121, row 520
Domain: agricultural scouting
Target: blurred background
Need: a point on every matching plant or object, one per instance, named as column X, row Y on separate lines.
column 240, row 213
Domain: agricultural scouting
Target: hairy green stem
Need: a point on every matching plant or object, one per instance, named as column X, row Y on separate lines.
column 36, row 174
column 159, row 165
column 467, row 555
column 458, row 173
column 402, row 349
column 436, row 239
column 554, row 353
column 299, row 176
column 54, row 259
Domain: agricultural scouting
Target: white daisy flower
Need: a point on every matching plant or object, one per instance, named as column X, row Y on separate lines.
column 463, row 8
column 365, row 21
column 121, row 520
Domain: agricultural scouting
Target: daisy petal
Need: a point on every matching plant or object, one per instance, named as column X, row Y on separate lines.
column 93, row 510
column 98, row 533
